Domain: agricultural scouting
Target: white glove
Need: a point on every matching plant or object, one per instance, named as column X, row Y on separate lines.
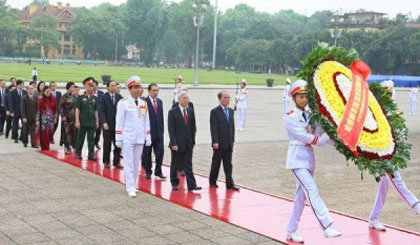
column 119, row 144
column 148, row 142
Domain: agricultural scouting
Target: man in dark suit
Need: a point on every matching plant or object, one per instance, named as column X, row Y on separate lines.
column 155, row 108
column 182, row 130
column 222, row 127
column 15, row 99
column 3, row 92
column 9, row 118
column 107, row 112
column 57, row 95
column 190, row 105
column 29, row 108
column 98, row 93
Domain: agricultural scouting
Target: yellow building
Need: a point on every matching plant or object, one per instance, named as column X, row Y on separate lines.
column 64, row 14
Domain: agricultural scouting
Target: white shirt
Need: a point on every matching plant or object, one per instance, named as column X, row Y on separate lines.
column 241, row 98
column 34, row 73
column 132, row 122
column 300, row 153
column 182, row 110
column 286, row 93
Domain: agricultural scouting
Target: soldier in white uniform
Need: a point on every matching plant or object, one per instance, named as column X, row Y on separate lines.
column 178, row 88
column 242, row 104
column 383, row 187
column 132, row 131
column 286, row 97
column 413, row 100
column 301, row 160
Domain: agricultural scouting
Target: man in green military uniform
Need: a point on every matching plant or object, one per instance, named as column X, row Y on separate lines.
column 86, row 119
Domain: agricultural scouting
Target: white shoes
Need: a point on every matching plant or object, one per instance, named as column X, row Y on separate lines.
column 376, row 225
column 132, row 194
column 330, row 232
column 294, row 237
column 416, row 208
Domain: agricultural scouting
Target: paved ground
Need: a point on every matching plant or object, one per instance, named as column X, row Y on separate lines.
column 48, row 202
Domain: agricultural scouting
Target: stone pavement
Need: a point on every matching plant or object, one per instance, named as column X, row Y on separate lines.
column 44, row 201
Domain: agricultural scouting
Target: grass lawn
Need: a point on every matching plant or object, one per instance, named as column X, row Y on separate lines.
column 76, row 73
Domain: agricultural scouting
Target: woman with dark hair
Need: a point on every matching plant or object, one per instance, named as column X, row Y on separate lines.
column 40, row 88
column 47, row 117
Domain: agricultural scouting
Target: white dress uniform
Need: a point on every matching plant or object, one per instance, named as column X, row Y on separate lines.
column 301, row 160
column 177, row 91
column 132, row 131
column 413, row 100
column 383, row 188
column 242, row 106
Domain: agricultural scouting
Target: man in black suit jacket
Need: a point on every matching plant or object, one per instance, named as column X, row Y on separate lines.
column 3, row 92
column 222, row 127
column 182, row 130
column 15, row 99
column 155, row 108
column 29, row 108
column 57, row 95
column 107, row 112
column 98, row 93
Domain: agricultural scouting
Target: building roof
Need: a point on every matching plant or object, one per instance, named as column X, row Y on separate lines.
column 64, row 13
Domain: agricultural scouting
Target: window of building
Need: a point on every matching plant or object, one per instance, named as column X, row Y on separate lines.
column 67, row 49
column 67, row 37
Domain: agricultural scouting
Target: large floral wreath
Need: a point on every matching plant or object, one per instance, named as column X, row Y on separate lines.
column 382, row 145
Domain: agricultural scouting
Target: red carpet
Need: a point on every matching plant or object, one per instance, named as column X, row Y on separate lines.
column 256, row 211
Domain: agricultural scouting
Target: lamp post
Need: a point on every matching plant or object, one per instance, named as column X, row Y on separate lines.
column 199, row 7
column 213, row 66
column 336, row 33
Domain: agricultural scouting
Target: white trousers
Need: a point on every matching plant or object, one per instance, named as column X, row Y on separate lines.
column 306, row 188
column 241, row 118
column 413, row 107
column 286, row 106
column 132, row 158
column 383, row 187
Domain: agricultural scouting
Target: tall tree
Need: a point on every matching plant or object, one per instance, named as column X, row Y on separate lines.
column 44, row 30
column 144, row 21
column 8, row 29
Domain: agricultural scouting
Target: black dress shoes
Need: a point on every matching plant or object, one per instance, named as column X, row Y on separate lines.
column 118, row 166
column 233, row 187
column 175, row 188
column 92, row 158
column 148, row 176
column 161, row 176
column 106, row 165
column 214, row 185
column 98, row 147
column 197, row 188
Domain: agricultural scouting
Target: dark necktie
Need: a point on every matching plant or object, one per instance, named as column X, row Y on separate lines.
column 137, row 103
column 113, row 99
column 227, row 114
column 20, row 93
column 185, row 117
column 304, row 116
column 155, row 106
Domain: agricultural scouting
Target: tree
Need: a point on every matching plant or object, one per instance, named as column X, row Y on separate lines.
column 41, row 2
column 144, row 22
column 8, row 29
column 44, row 30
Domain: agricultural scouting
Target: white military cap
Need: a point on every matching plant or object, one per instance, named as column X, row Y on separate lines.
column 288, row 81
column 298, row 87
column 244, row 82
column 133, row 80
column 387, row 84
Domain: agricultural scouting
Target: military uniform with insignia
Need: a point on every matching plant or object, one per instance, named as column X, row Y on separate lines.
column 132, row 132
column 86, row 105
column 301, row 160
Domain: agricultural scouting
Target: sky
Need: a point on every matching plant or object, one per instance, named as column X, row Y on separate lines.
column 307, row 7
